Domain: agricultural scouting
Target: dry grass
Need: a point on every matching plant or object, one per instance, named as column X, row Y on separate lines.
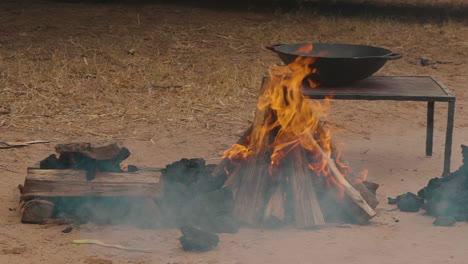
column 444, row 3
column 131, row 70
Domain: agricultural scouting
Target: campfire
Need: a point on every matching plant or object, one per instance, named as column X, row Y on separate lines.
column 286, row 168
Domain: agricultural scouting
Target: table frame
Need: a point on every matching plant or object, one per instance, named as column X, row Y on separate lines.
column 444, row 96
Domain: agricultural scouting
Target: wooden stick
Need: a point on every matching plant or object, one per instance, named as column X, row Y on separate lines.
column 366, row 193
column 250, row 197
column 274, row 210
column 307, row 211
column 259, row 118
column 252, row 179
column 360, row 209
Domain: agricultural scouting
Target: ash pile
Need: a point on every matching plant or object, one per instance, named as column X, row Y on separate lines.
column 445, row 198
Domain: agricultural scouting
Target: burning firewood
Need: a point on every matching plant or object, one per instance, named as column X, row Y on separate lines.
column 273, row 169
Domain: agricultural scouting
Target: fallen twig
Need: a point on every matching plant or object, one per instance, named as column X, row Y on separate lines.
column 97, row 242
column 17, row 144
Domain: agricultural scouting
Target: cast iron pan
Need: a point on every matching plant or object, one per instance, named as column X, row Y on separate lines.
column 338, row 64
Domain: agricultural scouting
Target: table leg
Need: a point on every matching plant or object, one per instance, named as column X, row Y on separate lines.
column 448, row 138
column 430, row 128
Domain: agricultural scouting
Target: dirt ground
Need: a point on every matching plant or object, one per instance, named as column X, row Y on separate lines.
column 170, row 81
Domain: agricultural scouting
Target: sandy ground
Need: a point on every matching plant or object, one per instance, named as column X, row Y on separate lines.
column 385, row 137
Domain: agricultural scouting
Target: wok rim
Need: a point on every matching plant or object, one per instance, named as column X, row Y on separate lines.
column 277, row 47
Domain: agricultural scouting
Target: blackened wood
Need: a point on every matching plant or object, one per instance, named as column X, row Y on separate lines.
column 36, row 210
column 99, row 150
column 195, row 239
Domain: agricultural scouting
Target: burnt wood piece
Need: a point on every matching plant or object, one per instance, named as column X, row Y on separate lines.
column 195, row 239
column 99, row 151
column 192, row 196
column 63, row 183
column 80, row 161
column 36, row 211
column 409, row 202
column 212, row 211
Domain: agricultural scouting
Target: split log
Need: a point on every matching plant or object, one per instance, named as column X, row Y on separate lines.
column 357, row 207
column 251, row 194
column 367, row 194
column 226, row 163
column 254, row 180
column 36, row 211
column 274, row 211
column 62, row 183
column 307, row 211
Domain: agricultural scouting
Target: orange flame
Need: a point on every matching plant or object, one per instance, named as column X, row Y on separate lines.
column 295, row 120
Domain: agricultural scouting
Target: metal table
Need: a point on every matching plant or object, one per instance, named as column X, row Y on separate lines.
column 400, row 88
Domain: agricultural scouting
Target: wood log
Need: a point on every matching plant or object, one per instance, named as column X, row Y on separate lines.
column 307, row 211
column 63, row 183
column 274, row 210
column 366, row 193
column 226, row 164
column 253, row 182
column 36, row 211
column 249, row 201
column 357, row 207
column 234, row 180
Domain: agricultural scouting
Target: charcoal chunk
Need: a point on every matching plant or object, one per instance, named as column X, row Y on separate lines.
column 409, row 202
column 195, row 239
column 444, row 221
column 392, row 200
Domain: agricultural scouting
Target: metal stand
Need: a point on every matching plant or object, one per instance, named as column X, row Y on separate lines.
column 400, row 88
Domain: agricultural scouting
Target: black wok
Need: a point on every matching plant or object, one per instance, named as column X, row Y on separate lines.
column 338, row 64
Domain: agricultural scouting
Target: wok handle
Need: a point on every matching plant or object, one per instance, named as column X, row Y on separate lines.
column 273, row 46
column 392, row 56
